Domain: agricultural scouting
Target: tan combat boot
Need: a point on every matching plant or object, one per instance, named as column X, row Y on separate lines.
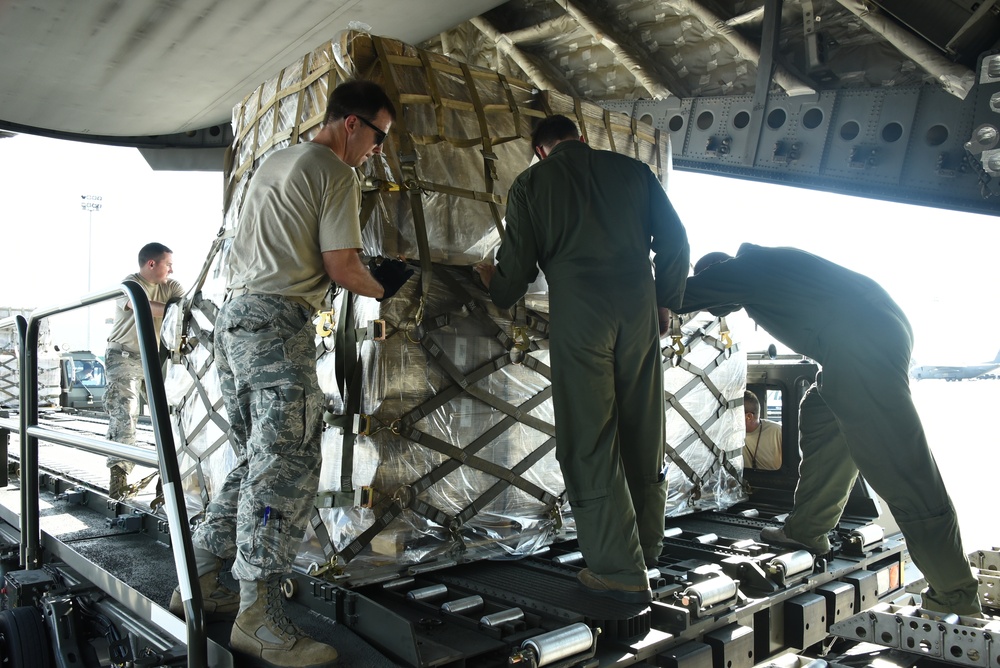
column 118, row 485
column 218, row 602
column 263, row 632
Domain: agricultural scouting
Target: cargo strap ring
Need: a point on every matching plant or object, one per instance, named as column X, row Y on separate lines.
column 521, row 339
column 315, row 569
column 325, row 326
column 676, row 346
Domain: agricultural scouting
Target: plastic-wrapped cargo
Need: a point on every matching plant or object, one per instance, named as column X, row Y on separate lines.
column 439, row 443
column 455, row 451
column 48, row 363
column 705, row 426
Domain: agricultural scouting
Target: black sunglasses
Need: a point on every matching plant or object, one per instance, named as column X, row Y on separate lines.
column 379, row 135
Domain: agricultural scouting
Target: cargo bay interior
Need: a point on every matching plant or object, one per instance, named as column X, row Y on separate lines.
column 440, row 535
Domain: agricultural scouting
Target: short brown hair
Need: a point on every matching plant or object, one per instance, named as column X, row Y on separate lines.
column 152, row 251
column 552, row 129
column 358, row 98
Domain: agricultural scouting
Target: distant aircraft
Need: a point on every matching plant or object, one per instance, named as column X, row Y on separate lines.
column 954, row 372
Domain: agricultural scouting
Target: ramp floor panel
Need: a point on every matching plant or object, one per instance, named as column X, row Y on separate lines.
column 733, row 529
column 147, row 566
column 548, row 589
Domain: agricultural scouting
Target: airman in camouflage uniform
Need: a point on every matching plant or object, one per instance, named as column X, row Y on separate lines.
column 122, row 360
column 275, row 408
column 299, row 228
column 121, row 398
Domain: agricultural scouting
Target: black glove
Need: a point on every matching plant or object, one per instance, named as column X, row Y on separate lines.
column 392, row 274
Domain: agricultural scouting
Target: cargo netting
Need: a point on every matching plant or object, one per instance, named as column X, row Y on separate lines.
column 49, row 384
column 439, row 438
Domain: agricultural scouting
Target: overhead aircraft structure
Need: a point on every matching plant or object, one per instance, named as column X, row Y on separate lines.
column 887, row 99
column 959, row 372
column 896, row 100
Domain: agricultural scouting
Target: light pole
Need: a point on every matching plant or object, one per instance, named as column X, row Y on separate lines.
column 90, row 204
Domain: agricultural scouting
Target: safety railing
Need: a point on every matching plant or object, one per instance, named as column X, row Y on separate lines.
column 7, row 426
column 165, row 458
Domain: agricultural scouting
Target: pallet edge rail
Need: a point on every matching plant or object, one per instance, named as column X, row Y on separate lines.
column 31, row 432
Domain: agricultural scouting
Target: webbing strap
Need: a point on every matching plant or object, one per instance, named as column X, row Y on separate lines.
column 538, row 324
column 193, row 294
column 486, row 497
column 607, row 128
column 206, row 306
column 478, row 463
column 388, row 509
column 466, row 193
column 633, row 127
column 211, row 410
column 322, row 535
column 701, row 377
column 408, row 166
column 303, row 76
column 489, row 157
column 674, row 455
column 202, row 485
column 437, row 101
column 369, row 201
column 418, row 413
column 699, row 435
column 581, row 120
column 385, row 513
column 222, row 440
column 475, row 308
column 348, row 370
column 309, row 73
column 437, row 354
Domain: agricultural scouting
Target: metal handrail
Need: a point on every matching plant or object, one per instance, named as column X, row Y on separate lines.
column 166, row 458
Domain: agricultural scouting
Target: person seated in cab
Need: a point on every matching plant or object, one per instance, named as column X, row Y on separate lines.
column 762, row 443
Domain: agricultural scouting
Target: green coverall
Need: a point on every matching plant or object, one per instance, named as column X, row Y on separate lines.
column 589, row 219
column 860, row 416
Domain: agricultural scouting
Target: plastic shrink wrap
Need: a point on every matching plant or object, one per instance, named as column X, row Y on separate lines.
column 48, row 362
column 439, row 443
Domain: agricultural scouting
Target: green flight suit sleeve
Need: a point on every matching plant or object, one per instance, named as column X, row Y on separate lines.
column 517, row 259
column 720, row 289
column 671, row 253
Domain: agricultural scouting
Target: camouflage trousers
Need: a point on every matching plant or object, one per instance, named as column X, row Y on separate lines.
column 126, row 384
column 265, row 354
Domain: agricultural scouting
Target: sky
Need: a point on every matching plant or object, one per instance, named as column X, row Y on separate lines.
column 938, row 265
column 46, row 233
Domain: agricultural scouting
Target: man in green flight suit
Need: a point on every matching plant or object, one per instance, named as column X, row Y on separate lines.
column 858, row 416
column 590, row 219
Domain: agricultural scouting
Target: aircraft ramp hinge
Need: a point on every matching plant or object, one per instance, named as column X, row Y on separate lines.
column 966, row 641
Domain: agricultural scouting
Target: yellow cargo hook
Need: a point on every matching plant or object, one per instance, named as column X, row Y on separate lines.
column 325, row 325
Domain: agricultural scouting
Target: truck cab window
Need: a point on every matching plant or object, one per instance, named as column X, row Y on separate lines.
column 762, row 446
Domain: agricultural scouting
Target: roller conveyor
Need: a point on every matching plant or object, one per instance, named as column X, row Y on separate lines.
column 715, row 585
column 694, row 597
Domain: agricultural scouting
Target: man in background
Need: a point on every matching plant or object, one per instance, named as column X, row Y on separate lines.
column 123, row 365
column 590, row 220
column 762, row 444
column 299, row 229
column 858, row 416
